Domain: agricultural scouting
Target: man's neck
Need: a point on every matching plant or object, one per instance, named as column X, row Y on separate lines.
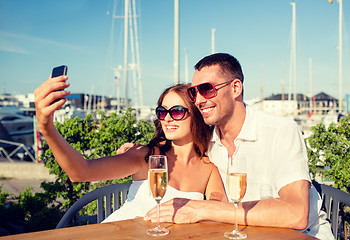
column 229, row 131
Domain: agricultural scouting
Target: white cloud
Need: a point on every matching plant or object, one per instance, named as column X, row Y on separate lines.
column 18, row 43
column 12, row 48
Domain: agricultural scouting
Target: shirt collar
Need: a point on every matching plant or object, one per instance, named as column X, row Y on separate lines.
column 248, row 131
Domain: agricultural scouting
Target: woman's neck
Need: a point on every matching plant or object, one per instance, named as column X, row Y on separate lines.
column 182, row 152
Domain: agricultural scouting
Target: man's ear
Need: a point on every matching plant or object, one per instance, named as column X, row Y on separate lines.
column 237, row 88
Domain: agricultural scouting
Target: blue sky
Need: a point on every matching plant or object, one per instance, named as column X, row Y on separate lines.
column 37, row 35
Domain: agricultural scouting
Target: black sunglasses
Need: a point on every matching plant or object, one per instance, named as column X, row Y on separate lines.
column 176, row 112
column 207, row 90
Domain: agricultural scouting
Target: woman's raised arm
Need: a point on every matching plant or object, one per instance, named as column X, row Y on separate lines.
column 72, row 162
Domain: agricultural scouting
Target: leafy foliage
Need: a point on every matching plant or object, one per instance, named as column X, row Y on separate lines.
column 95, row 136
column 329, row 152
column 27, row 212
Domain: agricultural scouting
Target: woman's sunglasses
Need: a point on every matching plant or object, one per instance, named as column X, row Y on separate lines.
column 207, row 90
column 176, row 112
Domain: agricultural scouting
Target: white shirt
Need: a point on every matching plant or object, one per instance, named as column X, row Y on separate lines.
column 271, row 150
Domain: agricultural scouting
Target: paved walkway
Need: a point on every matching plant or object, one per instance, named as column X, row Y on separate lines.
column 16, row 176
column 16, row 186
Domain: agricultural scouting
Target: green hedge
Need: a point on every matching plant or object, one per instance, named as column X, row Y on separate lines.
column 329, row 153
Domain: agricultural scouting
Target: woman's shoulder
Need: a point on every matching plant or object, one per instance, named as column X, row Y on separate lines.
column 207, row 163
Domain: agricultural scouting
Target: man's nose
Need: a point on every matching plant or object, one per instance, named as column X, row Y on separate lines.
column 199, row 99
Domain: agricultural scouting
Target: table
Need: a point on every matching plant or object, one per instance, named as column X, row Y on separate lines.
column 136, row 229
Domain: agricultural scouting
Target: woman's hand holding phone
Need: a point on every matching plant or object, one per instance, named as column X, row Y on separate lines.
column 56, row 72
column 49, row 97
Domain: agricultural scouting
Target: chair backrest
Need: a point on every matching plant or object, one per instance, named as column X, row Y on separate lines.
column 331, row 198
column 109, row 198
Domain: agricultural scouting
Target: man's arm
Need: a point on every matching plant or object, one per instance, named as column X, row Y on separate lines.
column 290, row 210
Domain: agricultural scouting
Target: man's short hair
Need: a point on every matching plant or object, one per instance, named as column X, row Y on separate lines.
column 228, row 63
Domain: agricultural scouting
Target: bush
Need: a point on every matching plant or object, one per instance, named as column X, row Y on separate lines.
column 329, row 153
column 27, row 212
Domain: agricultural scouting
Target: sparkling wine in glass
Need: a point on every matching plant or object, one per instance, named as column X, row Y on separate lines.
column 158, row 181
column 236, row 185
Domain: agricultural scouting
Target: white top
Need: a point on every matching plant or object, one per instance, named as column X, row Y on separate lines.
column 140, row 201
column 271, row 150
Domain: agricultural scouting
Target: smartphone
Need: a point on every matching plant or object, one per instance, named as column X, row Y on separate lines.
column 59, row 71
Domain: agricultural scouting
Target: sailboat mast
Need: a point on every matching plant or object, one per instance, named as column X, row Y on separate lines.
column 176, row 41
column 213, row 40
column 282, row 86
column 294, row 51
column 340, row 45
column 138, row 67
column 311, row 86
column 262, row 86
column 292, row 71
column 126, row 23
column 132, row 66
column 186, row 66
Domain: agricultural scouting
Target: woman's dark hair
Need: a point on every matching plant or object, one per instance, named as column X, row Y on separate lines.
column 201, row 132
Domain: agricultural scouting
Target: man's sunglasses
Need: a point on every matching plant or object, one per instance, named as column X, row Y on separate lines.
column 207, row 90
column 176, row 112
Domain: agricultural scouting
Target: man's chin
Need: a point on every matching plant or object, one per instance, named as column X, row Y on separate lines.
column 209, row 120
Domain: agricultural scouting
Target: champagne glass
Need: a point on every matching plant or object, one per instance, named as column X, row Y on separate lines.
column 236, row 188
column 158, row 181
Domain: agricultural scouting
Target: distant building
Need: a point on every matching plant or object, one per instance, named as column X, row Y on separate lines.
column 9, row 100
column 93, row 102
column 325, row 103
column 347, row 102
column 320, row 104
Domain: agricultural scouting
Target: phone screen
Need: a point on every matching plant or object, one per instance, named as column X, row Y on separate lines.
column 58, row 71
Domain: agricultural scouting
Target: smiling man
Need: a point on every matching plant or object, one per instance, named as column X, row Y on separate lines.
column 270, row 149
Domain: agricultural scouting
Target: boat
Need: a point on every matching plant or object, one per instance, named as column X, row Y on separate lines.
column 19, row 127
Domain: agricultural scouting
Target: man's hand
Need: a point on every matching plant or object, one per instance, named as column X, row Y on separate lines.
column 125, row 147
column 177, row 210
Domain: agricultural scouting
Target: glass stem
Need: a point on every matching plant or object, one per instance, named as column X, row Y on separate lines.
column 158, row 210
column 236, row 224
